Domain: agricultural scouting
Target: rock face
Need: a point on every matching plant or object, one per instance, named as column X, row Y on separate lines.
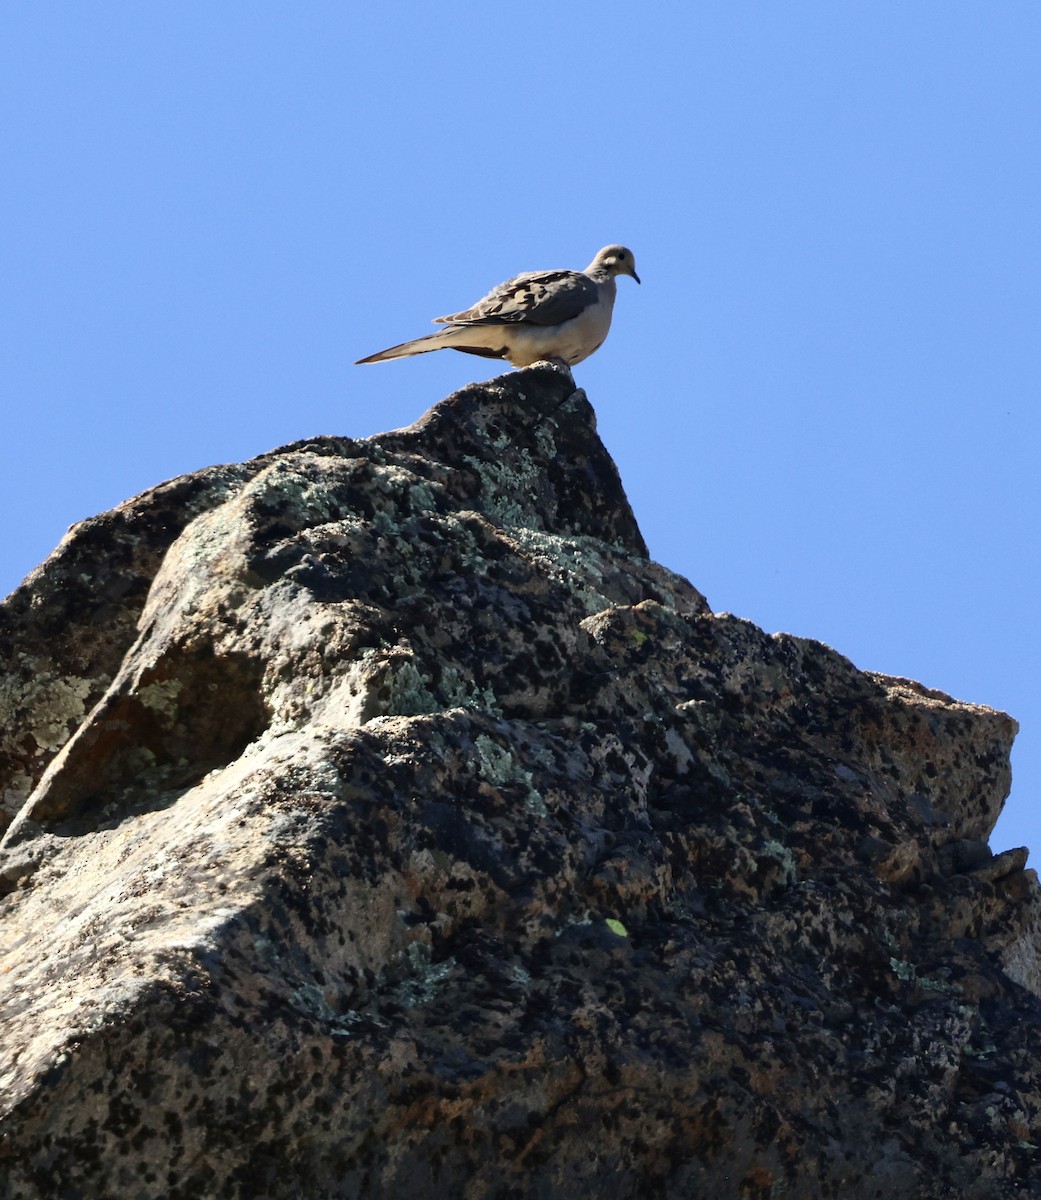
column 383, row 823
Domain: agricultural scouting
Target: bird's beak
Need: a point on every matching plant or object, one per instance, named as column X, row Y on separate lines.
column 635, row 276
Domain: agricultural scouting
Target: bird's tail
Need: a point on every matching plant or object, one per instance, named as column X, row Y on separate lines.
column 423, row 345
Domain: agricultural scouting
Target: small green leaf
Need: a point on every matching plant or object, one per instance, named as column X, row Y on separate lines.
column 617, row 927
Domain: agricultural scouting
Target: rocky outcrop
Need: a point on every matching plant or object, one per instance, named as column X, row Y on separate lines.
column 382, row 823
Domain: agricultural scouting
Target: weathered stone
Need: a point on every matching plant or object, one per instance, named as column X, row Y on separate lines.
column 384, row 823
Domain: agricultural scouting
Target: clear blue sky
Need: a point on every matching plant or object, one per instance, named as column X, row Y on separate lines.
column 825, row 399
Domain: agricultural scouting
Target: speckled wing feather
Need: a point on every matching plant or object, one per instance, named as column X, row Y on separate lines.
column 536, row 298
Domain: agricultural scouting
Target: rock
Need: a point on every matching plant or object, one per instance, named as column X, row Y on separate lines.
column 383, row 822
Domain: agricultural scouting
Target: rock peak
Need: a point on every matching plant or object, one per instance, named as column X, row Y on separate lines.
column 382, row 821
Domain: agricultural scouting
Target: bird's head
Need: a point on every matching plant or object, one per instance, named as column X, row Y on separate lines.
column 614, row 260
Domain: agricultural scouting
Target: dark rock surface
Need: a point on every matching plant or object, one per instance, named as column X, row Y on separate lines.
column 383, row 823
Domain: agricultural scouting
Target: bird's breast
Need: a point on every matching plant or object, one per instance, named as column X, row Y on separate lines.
column 571, row 341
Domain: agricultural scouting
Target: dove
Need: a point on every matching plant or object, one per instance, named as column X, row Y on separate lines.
column 540, row 315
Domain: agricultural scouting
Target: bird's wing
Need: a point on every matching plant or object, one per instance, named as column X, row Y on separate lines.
column 537, row 298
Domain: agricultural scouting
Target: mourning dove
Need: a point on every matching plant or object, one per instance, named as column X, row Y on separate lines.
column 541, row 315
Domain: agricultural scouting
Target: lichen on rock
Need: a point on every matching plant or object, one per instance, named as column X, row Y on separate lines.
column 383, row 822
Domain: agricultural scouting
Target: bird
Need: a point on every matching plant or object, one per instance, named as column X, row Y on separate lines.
column 534, row 317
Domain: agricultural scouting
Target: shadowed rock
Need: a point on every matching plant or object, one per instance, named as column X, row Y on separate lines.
column 384, row 823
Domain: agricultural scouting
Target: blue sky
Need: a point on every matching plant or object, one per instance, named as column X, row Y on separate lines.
column 825, row 399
